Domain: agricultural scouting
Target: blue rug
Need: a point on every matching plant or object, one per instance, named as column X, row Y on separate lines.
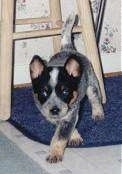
column 28, row 119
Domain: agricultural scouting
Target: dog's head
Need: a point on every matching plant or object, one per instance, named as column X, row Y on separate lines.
column 55, row 88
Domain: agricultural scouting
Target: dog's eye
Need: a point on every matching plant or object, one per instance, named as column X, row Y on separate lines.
column 44, row 94
column 45, row 91
column 65, row 91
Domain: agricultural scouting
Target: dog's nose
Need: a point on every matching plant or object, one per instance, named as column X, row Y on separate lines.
column 55, row 110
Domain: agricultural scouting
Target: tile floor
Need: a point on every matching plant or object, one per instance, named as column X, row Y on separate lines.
column 99, row 160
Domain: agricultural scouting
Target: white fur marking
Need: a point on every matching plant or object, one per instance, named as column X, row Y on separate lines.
column 54, row 76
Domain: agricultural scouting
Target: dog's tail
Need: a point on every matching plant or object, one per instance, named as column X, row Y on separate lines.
column 66, row 36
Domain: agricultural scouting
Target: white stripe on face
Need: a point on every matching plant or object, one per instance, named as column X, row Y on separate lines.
column 54, row 76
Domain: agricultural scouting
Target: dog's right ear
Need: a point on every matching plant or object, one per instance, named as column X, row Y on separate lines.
column 37, row 66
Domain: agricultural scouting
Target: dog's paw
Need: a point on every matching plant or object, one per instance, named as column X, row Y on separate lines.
column 98, row 114
column 75, row 139
column 75, row 142
column 55, row 154
column 54, row 158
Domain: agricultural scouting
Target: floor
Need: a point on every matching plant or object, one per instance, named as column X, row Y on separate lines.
column 99, row 160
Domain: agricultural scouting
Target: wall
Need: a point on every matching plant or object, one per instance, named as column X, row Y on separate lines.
column 24, row 49
column 110, row 43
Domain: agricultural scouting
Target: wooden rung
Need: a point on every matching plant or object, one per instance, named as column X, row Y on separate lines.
column 32, row 20
column 41, row 33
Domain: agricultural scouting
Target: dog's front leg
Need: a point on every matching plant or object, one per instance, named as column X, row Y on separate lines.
column 60, row 138
column 59, row 141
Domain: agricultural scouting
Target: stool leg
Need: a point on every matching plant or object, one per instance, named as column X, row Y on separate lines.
column 55, row 9
column 6, row 58
column 90, row 41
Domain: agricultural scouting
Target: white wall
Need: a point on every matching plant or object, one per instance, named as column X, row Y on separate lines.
column 24, row 49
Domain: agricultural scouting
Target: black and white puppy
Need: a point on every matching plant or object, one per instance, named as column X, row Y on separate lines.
column 59, row 85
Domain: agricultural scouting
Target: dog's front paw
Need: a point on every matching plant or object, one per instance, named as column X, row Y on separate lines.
column 75, row 139
column 54, row 158
column 98, row 114
column 75, row 142
column 56, row 153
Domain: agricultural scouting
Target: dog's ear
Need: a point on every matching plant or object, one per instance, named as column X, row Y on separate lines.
column 37, row 66
column 73, row 67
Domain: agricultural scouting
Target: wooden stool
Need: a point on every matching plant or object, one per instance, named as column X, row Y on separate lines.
column 8, row 36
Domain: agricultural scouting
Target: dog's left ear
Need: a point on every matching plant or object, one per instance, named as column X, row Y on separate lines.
column 37, row 67
column 73, row 67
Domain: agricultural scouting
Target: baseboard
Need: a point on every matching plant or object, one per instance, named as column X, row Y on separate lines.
column 112, row 74
column 24, row 85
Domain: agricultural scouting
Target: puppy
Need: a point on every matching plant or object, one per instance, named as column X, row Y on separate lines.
column 58, row 87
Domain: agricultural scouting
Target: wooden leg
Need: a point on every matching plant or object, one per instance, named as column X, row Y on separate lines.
column 6, row 58
column 55, row 9
column 90, row 41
